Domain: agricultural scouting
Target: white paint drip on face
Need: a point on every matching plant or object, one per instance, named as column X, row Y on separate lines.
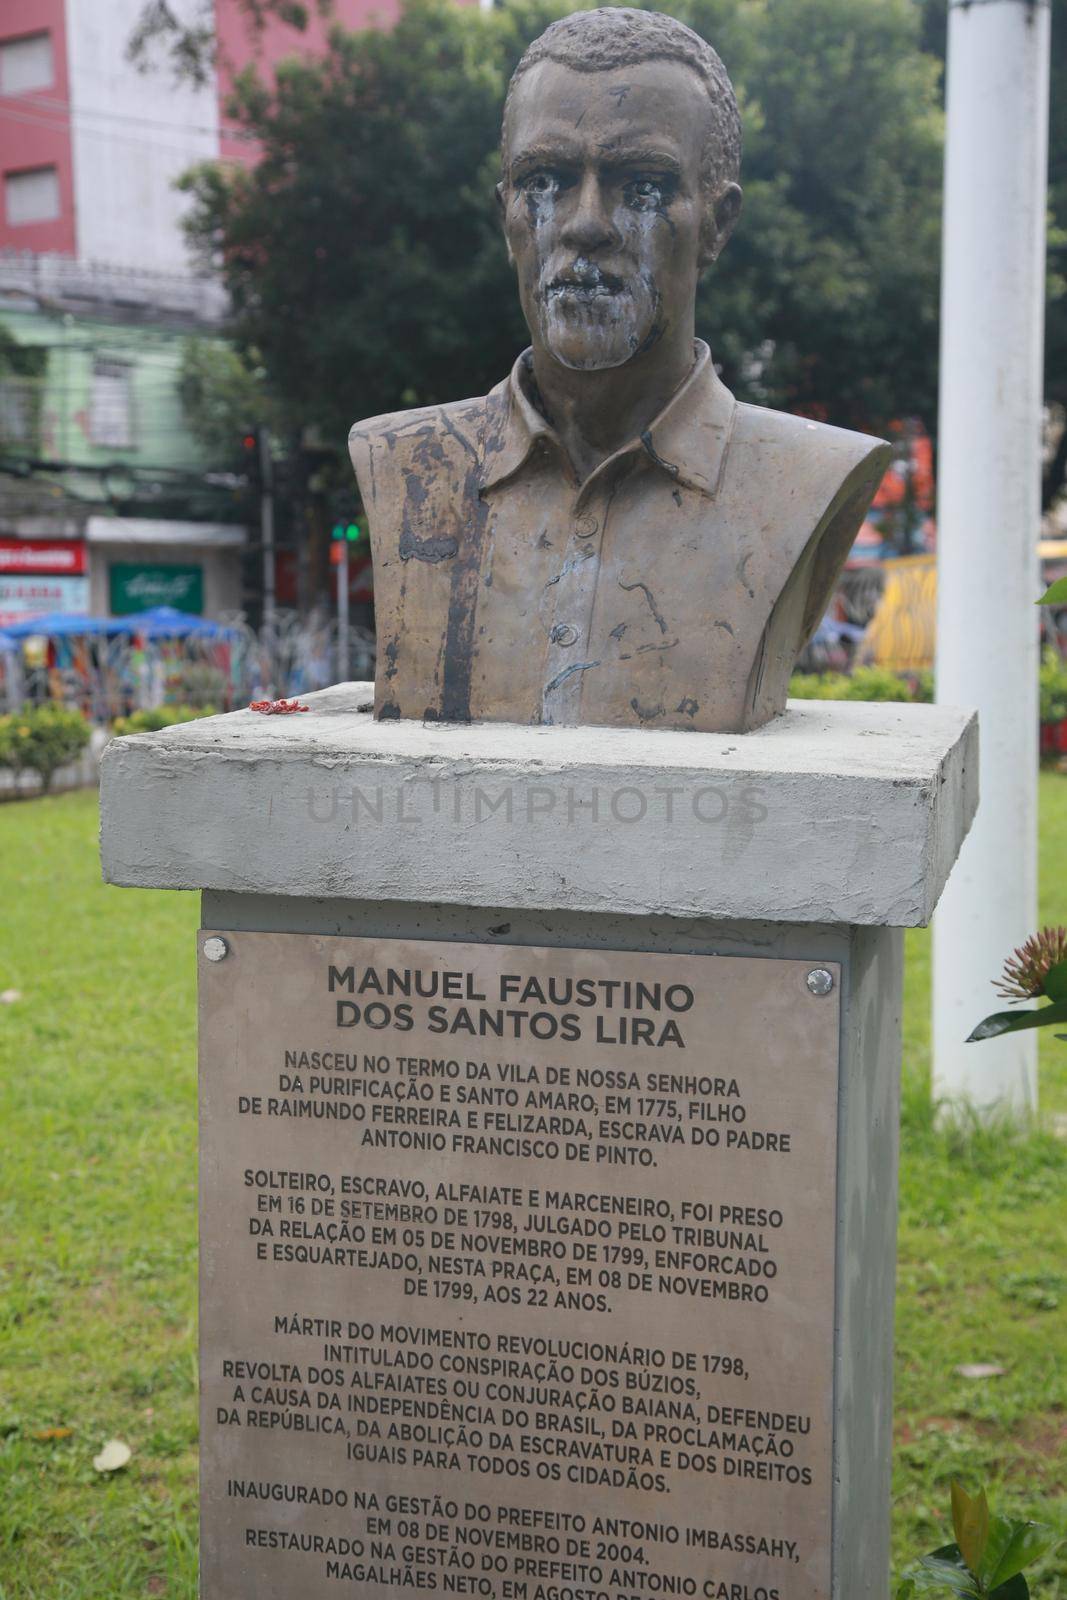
column 591, row 318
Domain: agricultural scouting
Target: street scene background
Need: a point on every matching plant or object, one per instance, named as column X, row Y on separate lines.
column 228, row 230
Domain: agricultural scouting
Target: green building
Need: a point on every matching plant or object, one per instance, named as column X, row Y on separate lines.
column 108, row 503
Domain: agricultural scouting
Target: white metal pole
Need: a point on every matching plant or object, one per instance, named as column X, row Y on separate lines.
column 266, row 520
column 342, row 613
column 989, row 477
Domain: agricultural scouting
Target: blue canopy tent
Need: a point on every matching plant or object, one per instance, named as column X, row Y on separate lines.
column 174, row 641
column 104, row 673
column 73, row 636
column 63, row 625
column 161, row 622
column 164, row 622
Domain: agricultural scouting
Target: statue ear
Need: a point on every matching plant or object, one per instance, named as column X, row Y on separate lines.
column 502, row 207
column 720, row 220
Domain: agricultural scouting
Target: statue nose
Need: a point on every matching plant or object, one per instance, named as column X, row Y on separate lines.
column 589, row 225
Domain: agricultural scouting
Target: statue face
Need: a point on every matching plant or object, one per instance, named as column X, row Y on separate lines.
column 605, row 213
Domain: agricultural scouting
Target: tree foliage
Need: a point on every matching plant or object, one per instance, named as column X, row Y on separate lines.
column 361, row 252
column 1056, row 301
column 835, row 265
column 184, row 34
column 364, row 256
column 935, row 41
column 224, row 395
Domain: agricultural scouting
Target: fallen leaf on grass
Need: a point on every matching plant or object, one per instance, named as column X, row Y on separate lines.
column 46, row 1435
column 980, row 1369
column 114, row 1455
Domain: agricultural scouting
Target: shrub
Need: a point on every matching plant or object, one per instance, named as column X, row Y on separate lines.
column 1052, row 681
column 877, row 683
column 196, row 683
column 150, row 721
column 866, row 683
column 41, row 739
column 10, row 761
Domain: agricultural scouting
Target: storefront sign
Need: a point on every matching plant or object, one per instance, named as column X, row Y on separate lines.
column 138, row 588
column 51, row 556
column 33, row 596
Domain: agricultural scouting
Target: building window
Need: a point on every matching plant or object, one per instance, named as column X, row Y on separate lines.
column 26, row 64
column 19, row 402
column 31, row 196
column 110, row 406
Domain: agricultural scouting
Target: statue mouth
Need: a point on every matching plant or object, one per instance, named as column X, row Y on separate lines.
column 584, row 283
column 591, row 319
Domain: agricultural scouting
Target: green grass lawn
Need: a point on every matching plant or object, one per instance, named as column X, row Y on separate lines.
column 97, row 1263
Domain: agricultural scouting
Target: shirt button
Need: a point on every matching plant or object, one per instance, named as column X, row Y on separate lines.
column 564, row 633
column 586, row 526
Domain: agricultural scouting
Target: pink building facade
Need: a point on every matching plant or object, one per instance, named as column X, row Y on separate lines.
column 90, row 146
column 35, row 133
column 239, row 44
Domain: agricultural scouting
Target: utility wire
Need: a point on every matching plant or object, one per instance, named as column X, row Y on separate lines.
column 99, row 133
column 232, row 130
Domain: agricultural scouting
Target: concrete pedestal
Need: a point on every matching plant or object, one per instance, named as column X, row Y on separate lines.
column 816, row 839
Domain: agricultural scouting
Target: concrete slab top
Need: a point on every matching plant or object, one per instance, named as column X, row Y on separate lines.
column 836, row 811
column 875, row 739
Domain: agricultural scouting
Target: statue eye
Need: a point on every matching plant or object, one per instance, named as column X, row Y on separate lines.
column 646, row 192
column 540, row 183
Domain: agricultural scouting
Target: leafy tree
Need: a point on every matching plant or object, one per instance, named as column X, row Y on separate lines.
column 834, row 269
column 1056, row 300
column 935, row 35
column 363, row 253
column 224, row 395
column 186, row 35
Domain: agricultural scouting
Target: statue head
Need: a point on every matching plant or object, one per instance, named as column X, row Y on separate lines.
column 621, row 150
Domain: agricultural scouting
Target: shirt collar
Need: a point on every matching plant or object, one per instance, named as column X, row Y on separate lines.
column 687, row 440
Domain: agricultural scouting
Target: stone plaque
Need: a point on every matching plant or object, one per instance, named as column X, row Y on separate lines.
column 517, row 1271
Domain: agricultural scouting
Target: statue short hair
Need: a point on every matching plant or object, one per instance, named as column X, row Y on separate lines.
column 619, row 36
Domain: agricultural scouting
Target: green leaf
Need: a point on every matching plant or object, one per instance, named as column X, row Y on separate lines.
column 1016, row 1021
column 906, row 1590
column 1055, row 984
column 1055, row 594
column 943, row 1572
column 1011, row 1547
column 1001, row 1534
column 970, row 1521
column 1016, row 1588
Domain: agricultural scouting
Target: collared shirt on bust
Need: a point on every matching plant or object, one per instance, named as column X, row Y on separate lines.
column 670, row 588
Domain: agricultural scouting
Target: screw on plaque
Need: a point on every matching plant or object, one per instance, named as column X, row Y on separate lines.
column 216, row 949
column 819, row 980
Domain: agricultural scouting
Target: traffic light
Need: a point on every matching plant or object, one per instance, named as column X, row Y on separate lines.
column 342, row 539
column 250, row 459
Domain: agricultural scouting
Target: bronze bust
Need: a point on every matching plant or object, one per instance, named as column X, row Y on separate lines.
column 608, row 537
